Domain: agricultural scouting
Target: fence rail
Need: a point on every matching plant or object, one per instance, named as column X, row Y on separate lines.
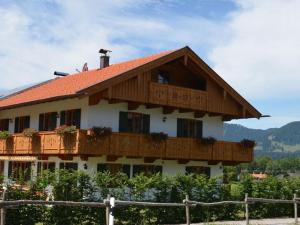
column 110, row 203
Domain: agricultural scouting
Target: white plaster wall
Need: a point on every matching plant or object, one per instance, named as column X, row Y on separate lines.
column 105, row 114
column 170, row 167
column 57, row 106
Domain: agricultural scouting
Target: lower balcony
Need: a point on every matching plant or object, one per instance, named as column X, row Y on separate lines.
column 124, row 145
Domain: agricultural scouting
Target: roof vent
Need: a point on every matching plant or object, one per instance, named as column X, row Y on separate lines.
column 104, row 58
column 60, row 74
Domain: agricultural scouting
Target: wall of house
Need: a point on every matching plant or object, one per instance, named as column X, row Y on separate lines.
column 57, row 106
column 169, row 167
column 104, row 114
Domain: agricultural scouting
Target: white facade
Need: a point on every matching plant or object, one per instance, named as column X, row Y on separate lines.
column 107, row 115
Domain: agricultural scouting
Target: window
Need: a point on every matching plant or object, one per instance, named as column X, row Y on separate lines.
column 163, row 78
column 47, row 121
column 146, row 169
column 41, row 166
column 19, row 170
column 71, row 117
column 21, row 123
column 4, row 124
column 68, row 166
column 134, row 122
column 189, row 128
column 198, row 170
column 114, row 168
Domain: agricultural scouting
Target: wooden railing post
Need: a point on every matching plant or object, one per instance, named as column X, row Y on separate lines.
column 3, row 209
column 111, row 211
column 295, row 209
column 107, row 209
column 187, row 210
column 247, row 209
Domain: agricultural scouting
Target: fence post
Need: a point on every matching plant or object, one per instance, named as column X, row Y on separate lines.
column 295, row 209
column 111, row 211
column 107, row 209
column 3, row 209
column 187, row 210
column 247, row 209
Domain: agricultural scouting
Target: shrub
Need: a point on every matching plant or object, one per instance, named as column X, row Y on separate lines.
column 30, row 132
column 100, row 132
column 158, row 136
column 64, row 129
column 246, row 143
column 4, row 134
column 208, row 140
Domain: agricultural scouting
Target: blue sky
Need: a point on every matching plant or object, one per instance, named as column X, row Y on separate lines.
column 252, row 44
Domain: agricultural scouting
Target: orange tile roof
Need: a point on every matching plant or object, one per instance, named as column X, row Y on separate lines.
column 70, row 85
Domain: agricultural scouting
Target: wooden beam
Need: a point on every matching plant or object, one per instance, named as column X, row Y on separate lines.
column 112, row 158
column 183, row 161
column 149, row 159
column 95, row 98
column 152, row 106
column 227, row 118
column 199, row 114
column 133, row 105
column 114, row 101
column 168, row 110
column 185, row 110
column 224, row 94
column 110, row 92
column 84, row 157
column 215, row 114
column 186, row 58
column 230, row 163
column 43, row 157
column 66, row 157
column 211, row 163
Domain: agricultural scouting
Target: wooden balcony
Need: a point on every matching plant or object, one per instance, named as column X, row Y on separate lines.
column 124, row 144
column 168, row 95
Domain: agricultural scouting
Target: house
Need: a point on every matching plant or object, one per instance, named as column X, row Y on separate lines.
column 174, row 92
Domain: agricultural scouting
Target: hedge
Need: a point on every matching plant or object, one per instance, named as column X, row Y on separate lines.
column 78, row 186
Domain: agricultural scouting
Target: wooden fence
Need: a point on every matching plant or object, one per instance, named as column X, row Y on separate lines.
column 110, row 203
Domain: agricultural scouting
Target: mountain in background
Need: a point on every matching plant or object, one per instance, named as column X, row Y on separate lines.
column 275, row 142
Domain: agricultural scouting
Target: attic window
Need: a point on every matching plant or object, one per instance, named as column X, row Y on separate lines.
column 163, row 78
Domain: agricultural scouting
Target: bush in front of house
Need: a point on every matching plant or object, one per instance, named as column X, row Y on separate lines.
column 78, row 186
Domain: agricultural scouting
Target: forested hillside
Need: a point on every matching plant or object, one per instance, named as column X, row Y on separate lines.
column 276, row 142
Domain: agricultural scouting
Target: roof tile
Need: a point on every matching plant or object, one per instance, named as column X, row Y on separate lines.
column 71, row 84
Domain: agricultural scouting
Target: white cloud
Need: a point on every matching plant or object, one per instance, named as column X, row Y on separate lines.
column 40, row 37
column 261, row 59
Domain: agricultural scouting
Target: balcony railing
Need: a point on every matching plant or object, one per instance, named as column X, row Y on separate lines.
column 124, row 144
column 174, row 96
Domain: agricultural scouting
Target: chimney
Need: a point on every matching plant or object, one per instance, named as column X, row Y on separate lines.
column 104, row 58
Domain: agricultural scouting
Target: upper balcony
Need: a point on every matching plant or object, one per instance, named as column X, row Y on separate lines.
column 125, row 145
column 169, row 95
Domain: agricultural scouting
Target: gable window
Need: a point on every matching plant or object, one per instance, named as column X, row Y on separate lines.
column 47, row 121
column 134, row 122
column 114, row 168
column 68, row 166
column 189, row 128
column 163, row 77
column 4, row 124
column 198, row 170
column 71, row 117
column 146, row 169
column 22, row 123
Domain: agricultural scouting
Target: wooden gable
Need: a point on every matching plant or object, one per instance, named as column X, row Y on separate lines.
column 191, row 86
